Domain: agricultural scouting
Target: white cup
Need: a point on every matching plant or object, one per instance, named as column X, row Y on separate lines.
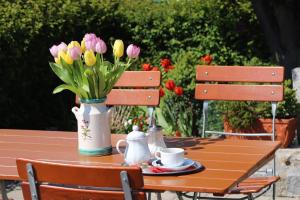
column 170, row 157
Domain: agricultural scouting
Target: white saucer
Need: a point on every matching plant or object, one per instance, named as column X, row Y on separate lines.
column 186, row 164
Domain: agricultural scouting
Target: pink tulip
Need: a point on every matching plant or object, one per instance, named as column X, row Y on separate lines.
column 54, row 51
column 74, row 52
column 62, row 47
column 100, row 46
column 133, row 51
column 89, row 36
column 91, row 44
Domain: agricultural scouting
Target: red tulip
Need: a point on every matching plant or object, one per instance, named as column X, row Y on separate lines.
column 161, row 92
column 206, row 59
column 170, row 85
column 155, row 69
column 165, row 62
column 178, row 91
column 147, row 67
column 177, row 134
column 166, row 69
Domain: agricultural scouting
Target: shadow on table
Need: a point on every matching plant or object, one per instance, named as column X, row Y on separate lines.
column 191, row 143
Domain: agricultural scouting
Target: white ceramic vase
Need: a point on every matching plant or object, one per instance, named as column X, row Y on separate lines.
column 93, row 121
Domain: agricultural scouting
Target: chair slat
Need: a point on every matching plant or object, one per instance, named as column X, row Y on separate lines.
column 139, row 79
column 240, row 73
column 63, row 193
column 253, row 185
column 239, row 92
column 135, row 96
column 141, row 97
column 97, row 176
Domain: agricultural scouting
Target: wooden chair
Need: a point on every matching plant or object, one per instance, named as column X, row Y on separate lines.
column 136, row 88
column 226, row 83
column 45, row 180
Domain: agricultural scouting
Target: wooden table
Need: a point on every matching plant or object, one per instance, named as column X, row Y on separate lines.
column 226, row 162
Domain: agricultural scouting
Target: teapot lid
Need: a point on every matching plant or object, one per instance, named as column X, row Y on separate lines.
column 136, row 134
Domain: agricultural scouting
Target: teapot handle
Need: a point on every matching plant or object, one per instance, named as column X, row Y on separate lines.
column 117, row 146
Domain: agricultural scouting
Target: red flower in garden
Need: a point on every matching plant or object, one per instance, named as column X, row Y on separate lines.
column 165, row 62
column 161, row 92
column 170, row 85
column 155, row 69
column 178, row 91
column 147, row 67
column 177, row 134
column 166, row 69
column 206, row 59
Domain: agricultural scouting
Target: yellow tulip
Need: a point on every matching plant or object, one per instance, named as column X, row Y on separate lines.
column 66, row 57
column 57, row 60
column 118, row 48
column 83, row 46
column 89, row 58
column 73, row 44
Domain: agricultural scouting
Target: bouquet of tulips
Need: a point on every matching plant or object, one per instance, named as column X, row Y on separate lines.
column 83, row 68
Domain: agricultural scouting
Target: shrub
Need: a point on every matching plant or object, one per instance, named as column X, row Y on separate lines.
column 228, row 30
column 182, row 113
column 243, row 114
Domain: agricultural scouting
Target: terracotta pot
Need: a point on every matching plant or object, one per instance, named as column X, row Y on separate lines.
column 285, row 130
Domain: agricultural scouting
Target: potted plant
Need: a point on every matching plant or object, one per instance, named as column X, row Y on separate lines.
column 251, row 117
column 86, row 73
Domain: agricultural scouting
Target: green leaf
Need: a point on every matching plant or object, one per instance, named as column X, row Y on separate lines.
column 66, row 87
column 61, row 73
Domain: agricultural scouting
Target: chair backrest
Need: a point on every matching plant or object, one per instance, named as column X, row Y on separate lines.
column 46, row 180
column 135, row 88
column 228, row 83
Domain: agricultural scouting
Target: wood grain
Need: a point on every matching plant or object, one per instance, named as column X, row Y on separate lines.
column 274, row 74
column 239, row 92
column 139, row 79
column 133, row 97
column 227, row 162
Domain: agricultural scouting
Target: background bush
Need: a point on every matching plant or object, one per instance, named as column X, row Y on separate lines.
column 228, row 30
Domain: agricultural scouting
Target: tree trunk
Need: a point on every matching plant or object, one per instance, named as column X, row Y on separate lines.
column 280, row 22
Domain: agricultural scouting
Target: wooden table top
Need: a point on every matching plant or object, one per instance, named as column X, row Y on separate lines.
column 226, row 162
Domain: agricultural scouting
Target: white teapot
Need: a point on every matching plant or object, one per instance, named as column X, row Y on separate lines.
column 137, row 150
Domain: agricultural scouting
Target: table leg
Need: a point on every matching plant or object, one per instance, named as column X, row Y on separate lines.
column 149, row 196
column 195, row 196
column 179, row 195
column 3, row 190
column 158, row 196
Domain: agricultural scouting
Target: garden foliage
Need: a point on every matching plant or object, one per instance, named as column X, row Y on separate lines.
column 228, row 30
column 244, row 114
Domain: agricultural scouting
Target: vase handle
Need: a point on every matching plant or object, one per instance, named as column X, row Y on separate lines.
column 75, row 111
column 117, row 146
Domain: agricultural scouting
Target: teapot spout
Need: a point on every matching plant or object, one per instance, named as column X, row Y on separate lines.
column 75, row 111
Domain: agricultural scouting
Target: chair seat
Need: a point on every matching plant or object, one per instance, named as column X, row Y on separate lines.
column 253, row 185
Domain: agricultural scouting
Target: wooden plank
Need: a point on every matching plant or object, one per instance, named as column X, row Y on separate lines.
column 239, row 92
column 139, row 79
column 274, row 74
column 61, row 193
column 133, row 97
column 97, row 176
column 196, row 185
column 253, row 185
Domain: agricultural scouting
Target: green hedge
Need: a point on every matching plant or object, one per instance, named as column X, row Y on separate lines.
column 229, row 31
